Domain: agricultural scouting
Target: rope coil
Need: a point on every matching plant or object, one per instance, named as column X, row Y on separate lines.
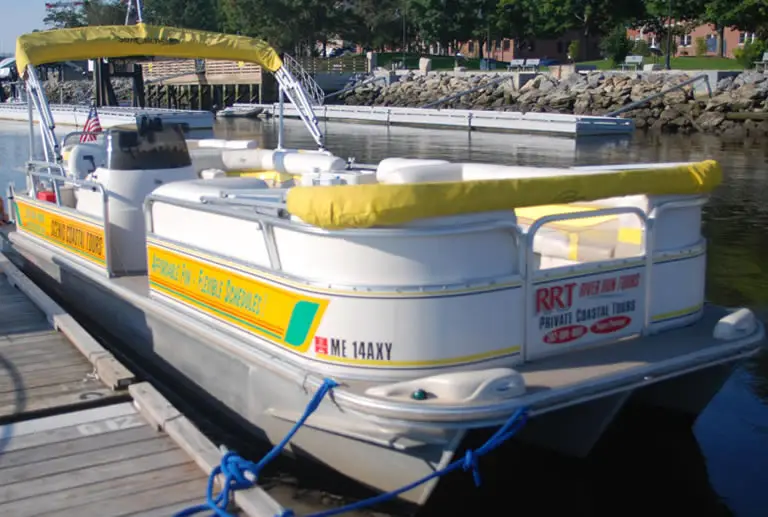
column 240, row 473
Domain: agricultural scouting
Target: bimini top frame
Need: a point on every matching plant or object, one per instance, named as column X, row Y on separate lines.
column 114, row 41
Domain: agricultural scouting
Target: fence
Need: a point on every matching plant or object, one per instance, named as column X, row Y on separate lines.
column 201, row 71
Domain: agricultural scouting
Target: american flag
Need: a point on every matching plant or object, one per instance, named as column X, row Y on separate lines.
column 92, row 125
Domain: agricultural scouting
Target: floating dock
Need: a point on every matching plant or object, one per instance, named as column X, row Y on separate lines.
column 75, row 116
column 78, row 436
column 478, row 120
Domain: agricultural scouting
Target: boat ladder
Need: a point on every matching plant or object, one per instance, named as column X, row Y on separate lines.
column 315, row 94
column 303, row 92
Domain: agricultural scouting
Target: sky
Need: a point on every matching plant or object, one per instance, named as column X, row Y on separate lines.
column 16, row 18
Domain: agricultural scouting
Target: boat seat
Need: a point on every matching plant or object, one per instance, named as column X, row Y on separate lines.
column 279, row 169
column 587, row 239
column 194, row 190
column 84, row 158
column 591, row 238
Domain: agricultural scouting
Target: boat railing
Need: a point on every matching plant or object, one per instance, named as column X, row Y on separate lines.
column 34, row 173
column 78, row 133
column 36, row 94
column 530, row 275
column 225, row 207
column 271, row 214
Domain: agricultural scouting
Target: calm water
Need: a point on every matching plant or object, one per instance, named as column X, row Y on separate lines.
column 647, row 462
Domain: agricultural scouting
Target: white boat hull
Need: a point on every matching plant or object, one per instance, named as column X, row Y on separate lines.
column 264, row 398
column 250, row 393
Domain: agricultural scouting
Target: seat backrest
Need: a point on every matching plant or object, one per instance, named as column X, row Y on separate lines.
column 765, row 56
column 389, row 165
column 428, row 173
column 85, row 158
column 517, row 62
column 532, row 62
column 633, row 60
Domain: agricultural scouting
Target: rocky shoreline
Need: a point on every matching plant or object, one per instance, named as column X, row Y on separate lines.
column 82, row 92
column 597, row 93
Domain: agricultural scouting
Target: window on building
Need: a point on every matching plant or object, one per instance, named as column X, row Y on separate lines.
column 506, row 44
column 746, row 37
column 498, row 44
column 711, row 43
column 685, row 40
column 471, row 47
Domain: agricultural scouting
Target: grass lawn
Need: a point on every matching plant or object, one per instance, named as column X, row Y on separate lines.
column 682, row 63
column 448, row 62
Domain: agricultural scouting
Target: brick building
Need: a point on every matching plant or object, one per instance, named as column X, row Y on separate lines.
column 556, row 49
column 686, row 44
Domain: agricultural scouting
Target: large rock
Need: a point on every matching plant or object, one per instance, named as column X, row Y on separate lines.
column 710, row 120
column 592, row 94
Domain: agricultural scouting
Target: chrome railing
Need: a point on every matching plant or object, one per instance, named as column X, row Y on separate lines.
column 78, row 134
column 262, row 212
column 647, row 255
column 33, row 174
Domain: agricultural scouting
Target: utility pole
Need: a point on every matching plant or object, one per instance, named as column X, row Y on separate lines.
column 404, row 8
column 669, row 35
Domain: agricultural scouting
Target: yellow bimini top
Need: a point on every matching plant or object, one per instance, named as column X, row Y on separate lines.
column 377, row 205
column 112, row 41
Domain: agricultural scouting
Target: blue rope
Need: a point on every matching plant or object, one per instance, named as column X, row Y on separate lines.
column 234, row 468
column 468, row 463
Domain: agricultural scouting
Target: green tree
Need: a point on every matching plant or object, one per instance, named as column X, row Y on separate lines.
column 259, row 18
column 522, row 20
column 189, row 14
column 616, row 45
column 378, row 23
column 92, row 12
column 437, row 21
column 65, row 17
column 591, row 17
column 746, row 15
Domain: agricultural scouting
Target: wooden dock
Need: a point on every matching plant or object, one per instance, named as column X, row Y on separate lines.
column 78, row 435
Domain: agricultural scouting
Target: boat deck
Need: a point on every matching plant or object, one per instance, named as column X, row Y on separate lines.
column 70, row 444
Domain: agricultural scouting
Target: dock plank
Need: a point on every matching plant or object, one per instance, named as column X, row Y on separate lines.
column 119, row 458
column 71, row 464
column 40, row 368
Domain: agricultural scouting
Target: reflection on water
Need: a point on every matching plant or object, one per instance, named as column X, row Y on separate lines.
column 648, row 462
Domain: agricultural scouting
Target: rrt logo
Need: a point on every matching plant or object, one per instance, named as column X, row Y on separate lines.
column 556, row 297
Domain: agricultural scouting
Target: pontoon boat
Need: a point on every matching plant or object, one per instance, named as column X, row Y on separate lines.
column 441, row 296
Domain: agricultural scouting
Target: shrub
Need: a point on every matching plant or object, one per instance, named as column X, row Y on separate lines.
column 616, row 46
column 750, row 52
column 701, row 46
column 641, row 48
column 574, row 49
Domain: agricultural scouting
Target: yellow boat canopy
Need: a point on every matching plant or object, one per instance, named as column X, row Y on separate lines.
column 369, row 205
column 111, row 41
